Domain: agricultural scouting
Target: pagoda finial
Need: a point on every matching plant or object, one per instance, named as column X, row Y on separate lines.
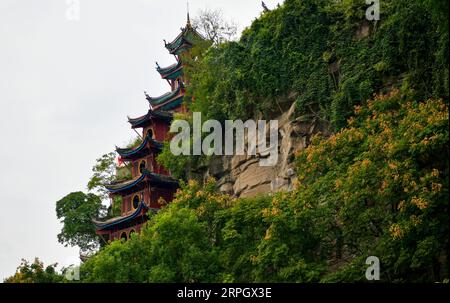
column 188, row 23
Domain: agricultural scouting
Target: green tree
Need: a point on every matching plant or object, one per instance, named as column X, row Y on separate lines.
column 76, row 212
column 104, row 172
column 174, row 246
column 376, row 188
column 35, row 272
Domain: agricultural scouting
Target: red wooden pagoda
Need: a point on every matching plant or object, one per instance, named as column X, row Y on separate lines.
column 150, row 182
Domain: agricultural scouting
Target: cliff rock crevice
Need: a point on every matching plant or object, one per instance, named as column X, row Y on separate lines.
column 242, row 176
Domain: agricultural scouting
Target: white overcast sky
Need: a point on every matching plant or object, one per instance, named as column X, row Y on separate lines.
column 66, row 88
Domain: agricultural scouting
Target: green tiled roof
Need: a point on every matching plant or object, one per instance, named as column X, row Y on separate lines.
column 172, row 72
column 146, row 119
column 158, row 102
column 184, row 40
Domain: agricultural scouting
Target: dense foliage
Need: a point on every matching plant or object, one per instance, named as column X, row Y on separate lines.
column 324, row 56
column 76, row 211
column 376, row 188
column 327, row 55
column 202, row 236
column 103, row 172
column 35, row 273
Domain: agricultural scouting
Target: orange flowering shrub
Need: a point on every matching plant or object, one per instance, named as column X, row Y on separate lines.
column 378, row 187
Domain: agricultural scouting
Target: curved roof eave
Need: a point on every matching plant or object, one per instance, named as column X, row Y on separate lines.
column 167, row 71
column 158, row 179
column 166, row 97
column 126, row 152
column 115, row 188
column 171, row 104
column 118, row 220
column 158, row 114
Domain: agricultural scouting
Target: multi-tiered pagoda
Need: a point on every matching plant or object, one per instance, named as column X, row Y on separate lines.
column 150, row 183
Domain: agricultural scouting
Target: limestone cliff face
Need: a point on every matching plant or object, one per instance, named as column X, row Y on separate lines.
column 242, row 176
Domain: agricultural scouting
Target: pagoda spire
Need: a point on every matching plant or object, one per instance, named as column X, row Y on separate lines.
column 188, row 23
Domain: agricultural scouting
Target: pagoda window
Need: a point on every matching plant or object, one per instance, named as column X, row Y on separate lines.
column 142, row 166
column 135, row 202
column 123, row 236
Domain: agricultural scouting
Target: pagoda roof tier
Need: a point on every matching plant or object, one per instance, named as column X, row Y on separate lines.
column 111, row 223
column 153, row 179
column 184, row 40
column 128, row 154
column 171, row 72
column 145, row 120
column 167, row 101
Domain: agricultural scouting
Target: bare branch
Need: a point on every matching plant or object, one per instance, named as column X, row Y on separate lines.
column 214, row 27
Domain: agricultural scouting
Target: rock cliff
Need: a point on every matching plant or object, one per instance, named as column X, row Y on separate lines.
column 242, row 176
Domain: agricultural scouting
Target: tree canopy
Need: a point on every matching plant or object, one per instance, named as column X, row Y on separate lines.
column 378, row 187
column 76, row 212
column 35, row 272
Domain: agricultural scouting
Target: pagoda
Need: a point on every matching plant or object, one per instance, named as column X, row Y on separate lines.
column 150, row 183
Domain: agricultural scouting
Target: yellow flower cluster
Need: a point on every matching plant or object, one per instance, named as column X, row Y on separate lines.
column 416, row 220
column 365, row 163
column 419, row 202
column 393, row 166
column 435, row 173
column 436, row 187
column 350, row 121
column 332, row 140
column 396, row 231
column 275, row 211
column 201, row 209
column 192, row 183
column 265, row 213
